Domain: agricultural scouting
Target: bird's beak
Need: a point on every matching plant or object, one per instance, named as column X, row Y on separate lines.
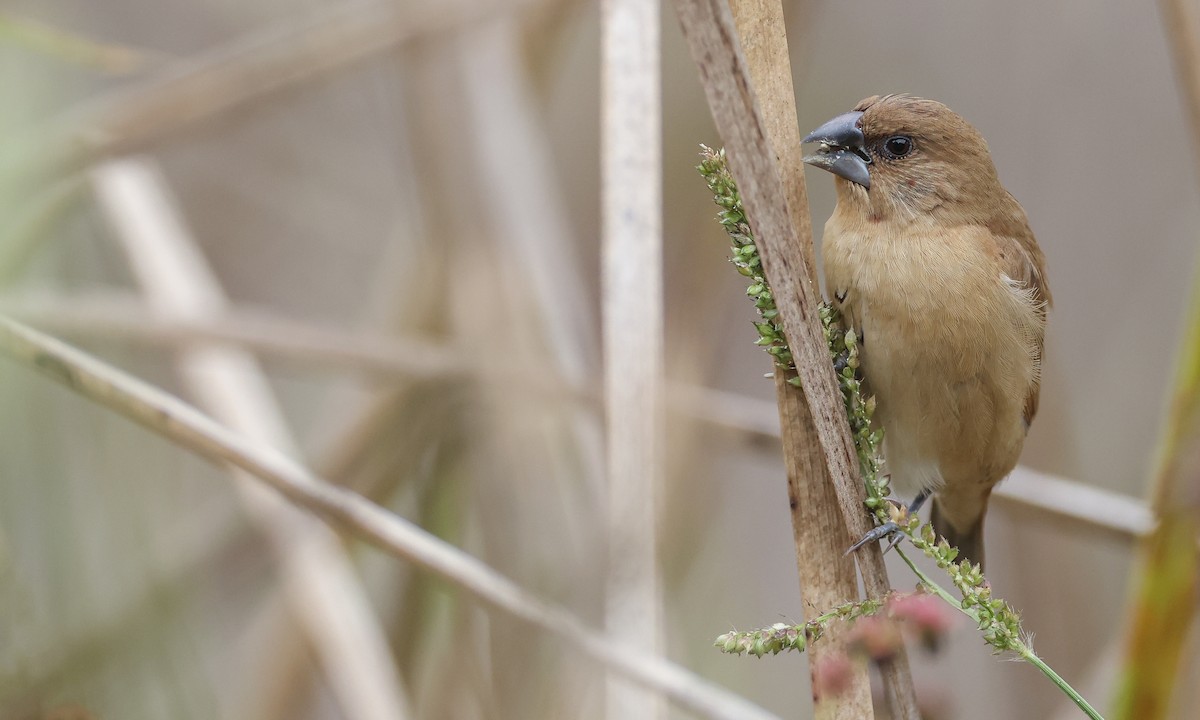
column 843, row 149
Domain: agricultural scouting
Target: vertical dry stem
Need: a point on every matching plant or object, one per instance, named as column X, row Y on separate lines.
column 827, row 577
column 633, row 366
column 712, row 37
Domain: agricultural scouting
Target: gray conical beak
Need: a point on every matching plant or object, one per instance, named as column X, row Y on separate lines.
column 843, row 149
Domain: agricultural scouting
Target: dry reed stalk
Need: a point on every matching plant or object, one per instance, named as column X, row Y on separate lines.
column 827, row 576
column 631, row 198
column 713, row 38
column 190, row 429
column 321, row 584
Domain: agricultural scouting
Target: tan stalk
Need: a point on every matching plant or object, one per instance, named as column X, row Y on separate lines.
column 725, row 74
column 827, row 577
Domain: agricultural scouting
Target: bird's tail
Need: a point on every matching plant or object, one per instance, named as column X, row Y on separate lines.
column 967, row 537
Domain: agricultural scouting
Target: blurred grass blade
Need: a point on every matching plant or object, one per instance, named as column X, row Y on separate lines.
column 1164, row 608
column 1168, row 584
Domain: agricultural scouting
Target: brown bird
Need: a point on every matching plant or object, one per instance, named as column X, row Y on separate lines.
column 933, row 261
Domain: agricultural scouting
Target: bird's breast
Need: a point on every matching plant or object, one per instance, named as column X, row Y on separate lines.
column 943, row 350
column 922, row 293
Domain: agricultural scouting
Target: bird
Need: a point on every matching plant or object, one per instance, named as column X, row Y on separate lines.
column 934, row 264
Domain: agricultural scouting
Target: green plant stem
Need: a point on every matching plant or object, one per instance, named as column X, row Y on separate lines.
column 936, row 589
column 1018, row 646
column 1026, row 652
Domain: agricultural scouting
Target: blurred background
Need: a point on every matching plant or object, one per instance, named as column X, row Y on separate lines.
column 368, row 232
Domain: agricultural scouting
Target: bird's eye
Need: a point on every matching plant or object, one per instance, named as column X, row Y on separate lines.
column 897, row 146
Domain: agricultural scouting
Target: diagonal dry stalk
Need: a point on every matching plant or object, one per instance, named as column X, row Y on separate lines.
column 321, row 585
column 750, row 140
column 191, row 429
column 827, row 574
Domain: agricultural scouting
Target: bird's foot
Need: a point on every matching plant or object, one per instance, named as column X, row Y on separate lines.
column 890, row 530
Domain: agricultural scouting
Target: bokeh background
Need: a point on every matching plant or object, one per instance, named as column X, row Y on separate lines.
column 400, row 205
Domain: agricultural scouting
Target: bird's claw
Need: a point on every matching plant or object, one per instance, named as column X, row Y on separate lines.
column 891, row 529
column 887, row 530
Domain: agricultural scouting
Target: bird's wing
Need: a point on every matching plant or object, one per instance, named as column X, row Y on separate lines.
column 1024, row 265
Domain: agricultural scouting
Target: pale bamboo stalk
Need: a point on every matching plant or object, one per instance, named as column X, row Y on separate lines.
column 631, row 199
column 1089, row 506
column 189, row 428
column 827, row 575
column 321, row 584
column 713, row 39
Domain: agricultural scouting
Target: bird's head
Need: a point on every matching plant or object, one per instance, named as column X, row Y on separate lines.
column 899, row 157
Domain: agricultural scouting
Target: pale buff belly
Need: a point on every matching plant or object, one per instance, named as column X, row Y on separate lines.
column 950, row 414
column 945, row 356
